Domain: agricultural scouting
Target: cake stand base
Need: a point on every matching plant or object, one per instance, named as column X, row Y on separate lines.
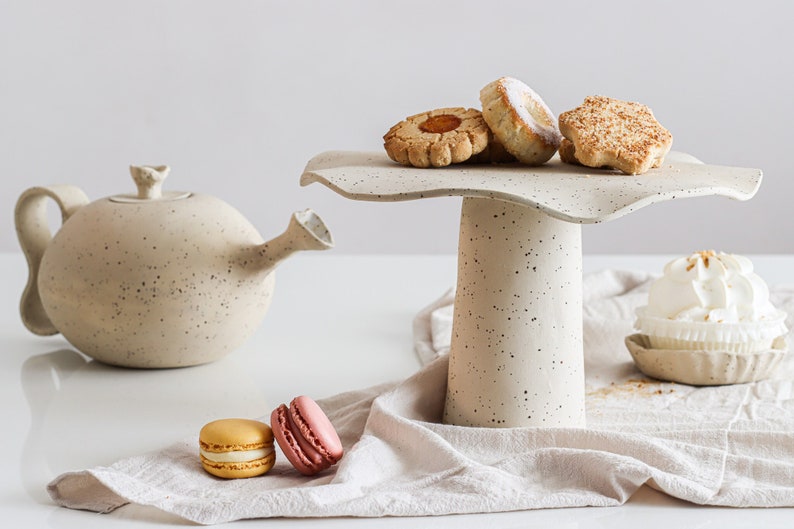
column 516, row 357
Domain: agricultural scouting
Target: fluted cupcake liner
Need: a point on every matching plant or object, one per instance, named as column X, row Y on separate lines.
column 739, row 337
column 705, row 368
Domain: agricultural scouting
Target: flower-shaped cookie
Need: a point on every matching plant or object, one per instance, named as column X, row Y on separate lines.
column 614, row 133
column 437, row 138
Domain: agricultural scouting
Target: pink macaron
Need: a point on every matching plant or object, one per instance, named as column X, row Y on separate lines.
column 306, row 436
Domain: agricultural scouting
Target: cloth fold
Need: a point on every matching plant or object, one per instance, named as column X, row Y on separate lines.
column 728, row 445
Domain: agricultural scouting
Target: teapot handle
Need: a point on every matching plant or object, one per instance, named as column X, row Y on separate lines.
column 30, row 217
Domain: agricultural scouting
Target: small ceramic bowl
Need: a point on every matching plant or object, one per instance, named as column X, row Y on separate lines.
column 705, row 368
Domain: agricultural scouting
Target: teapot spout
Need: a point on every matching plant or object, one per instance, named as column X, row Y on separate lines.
column 306, row 231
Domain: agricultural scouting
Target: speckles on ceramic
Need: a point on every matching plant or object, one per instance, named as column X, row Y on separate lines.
column 568, row 192
column 705, row 368
column 158, row 283
column 516, row 356
column 163, row 293
column 33, row 232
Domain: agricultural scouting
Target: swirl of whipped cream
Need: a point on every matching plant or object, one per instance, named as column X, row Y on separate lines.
column 710, row 287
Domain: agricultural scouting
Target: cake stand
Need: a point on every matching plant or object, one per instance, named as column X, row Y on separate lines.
column 516, row 356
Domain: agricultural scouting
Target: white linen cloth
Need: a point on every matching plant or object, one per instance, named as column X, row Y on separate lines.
column 729, row 445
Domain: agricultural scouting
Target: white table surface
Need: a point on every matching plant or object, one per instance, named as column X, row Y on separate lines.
column 61, row 412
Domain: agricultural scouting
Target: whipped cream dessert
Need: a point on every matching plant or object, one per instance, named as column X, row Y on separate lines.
column 709, row 286
column 710, row 301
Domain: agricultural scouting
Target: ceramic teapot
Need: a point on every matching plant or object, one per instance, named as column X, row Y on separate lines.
column 157, row 279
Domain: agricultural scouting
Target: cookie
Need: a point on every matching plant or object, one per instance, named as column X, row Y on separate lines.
column 494, row 153
column 437, row 138
column 236, row 448
column 567, row 152
column 620, row 134
column 520, row 120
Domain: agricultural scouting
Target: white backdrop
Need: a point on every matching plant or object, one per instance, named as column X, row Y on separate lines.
column 236, row 96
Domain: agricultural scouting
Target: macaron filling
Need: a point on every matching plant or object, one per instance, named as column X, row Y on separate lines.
column 237, row 456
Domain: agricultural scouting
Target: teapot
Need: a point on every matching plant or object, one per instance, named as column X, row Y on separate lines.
column 151, row 280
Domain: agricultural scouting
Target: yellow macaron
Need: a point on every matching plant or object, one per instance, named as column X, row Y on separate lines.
column 236, row 448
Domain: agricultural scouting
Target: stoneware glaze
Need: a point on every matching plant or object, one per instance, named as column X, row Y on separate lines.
column 705, row 368
column 516, row 357
column 154, row 279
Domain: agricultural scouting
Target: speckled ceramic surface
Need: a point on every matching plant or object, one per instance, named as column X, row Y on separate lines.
column 516, row 356
column 568, row 192
column 705, row 368
column 516, row 350
column 161, row 279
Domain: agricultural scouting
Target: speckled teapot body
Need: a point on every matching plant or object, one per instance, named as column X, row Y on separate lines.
column 153, row 280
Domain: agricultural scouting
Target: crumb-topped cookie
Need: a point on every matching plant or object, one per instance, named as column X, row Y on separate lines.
column 620, row 134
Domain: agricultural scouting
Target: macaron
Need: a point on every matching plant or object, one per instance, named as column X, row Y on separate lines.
column 236, row 448
column 306, row 436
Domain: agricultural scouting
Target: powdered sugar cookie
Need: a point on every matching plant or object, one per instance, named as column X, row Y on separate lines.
column 437, row 138
column 520, row 120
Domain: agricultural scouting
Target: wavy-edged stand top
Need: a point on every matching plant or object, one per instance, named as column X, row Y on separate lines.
column 567, row 192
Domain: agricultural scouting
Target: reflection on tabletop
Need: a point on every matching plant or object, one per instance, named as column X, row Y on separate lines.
column 87, row 413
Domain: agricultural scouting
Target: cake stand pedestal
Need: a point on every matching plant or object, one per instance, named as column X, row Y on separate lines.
column 516, row 357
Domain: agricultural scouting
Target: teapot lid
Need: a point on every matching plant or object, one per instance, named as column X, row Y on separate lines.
column 149, row 180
